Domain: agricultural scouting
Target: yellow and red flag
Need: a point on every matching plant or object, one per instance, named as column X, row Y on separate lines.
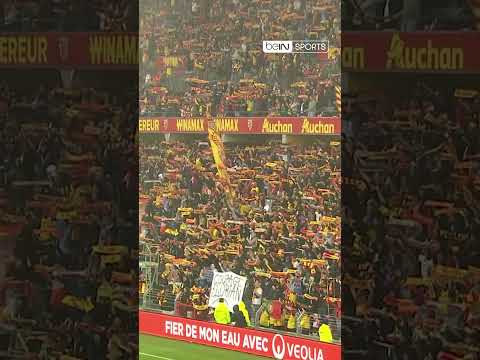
column 219, row 156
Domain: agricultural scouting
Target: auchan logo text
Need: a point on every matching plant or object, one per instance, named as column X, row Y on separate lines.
column 401, row 56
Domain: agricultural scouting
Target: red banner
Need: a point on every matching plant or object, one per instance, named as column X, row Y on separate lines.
column 244, row 125
column 262, row 343
column 413, row 52
column 78, row 50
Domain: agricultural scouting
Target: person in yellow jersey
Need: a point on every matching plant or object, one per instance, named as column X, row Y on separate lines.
column 265, row 319
column 291, row 323
column 325, row 333
column 305, row 324
column 221, row 313
column 243, row 309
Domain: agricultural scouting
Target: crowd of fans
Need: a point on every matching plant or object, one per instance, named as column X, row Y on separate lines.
column 410, row 287
column 281, row 231
column 409, row 15
column 68, row 15
column 205, row 57
column 68, row 188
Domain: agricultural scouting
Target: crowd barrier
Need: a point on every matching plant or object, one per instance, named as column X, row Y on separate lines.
column 255, row 342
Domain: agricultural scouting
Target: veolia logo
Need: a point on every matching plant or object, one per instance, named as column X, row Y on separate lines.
column 278, row 347
column 277, row 46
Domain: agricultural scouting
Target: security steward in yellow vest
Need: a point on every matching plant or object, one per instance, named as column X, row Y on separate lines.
column 325, row 333
column 221, row 313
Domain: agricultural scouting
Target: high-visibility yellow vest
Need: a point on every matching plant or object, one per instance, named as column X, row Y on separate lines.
column 265, row 319
column 276, row 322
column 325, row 333
column 292, row 324
column 222, row 314
column 305, row 322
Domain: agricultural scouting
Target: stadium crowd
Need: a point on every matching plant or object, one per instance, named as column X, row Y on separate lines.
column 205, row 57
column 67, row 191
column 411, row 289
column 410, row 15
column 281, row 231
column 68, row 15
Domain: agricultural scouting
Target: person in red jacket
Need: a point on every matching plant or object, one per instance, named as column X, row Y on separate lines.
column 276, row 314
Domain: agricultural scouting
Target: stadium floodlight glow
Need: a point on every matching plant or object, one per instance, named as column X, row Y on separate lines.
column 295, row 46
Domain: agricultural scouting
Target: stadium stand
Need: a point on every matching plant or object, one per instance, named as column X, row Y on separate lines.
column 280, row 229
column 68, row 15
column 409, row 15
column 69, row 287
column 412, row 287
column 284, row 233
column 207, row 58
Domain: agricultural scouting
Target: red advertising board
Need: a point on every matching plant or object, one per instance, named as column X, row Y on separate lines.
column 445, row 52
column 262, row 343
column 244, row 125
column 104, row 50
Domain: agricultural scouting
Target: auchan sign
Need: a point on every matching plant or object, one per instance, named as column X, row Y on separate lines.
column 414, row 52
column 276, row 346
column 428, row 57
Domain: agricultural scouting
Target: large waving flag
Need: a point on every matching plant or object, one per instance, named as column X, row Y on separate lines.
column 219, row 156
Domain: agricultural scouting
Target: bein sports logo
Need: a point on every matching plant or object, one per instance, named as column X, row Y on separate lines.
column 278, row 347
column 279, row 47
column 295, row 46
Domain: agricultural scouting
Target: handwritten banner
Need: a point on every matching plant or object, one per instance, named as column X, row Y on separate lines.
column 244, row 125
column 228, row 286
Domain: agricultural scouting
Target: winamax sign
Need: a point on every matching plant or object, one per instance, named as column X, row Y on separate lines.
column 262, row 343
column 410, row 52
column 244, row 125
column 77, row 50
